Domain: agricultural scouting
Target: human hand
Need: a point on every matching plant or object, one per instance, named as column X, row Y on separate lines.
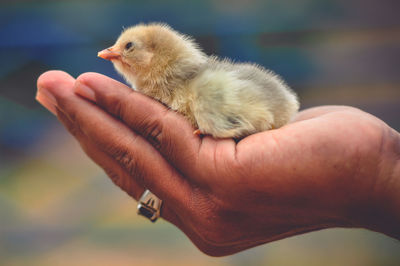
column 331, row 167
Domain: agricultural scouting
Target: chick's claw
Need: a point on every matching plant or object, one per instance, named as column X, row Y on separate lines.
column 197, row 132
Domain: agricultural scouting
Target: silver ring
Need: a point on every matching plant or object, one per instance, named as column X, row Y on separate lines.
column 149, row 206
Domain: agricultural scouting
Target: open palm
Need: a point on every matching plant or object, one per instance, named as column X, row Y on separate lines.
column 319, row 171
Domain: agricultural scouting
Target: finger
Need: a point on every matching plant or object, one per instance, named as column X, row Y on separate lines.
column 113, row 169
column 117, row 174
column 167, row 131
column 130, row 150
column 51, row 79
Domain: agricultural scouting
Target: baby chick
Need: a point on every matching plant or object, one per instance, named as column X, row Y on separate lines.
column 219, row 97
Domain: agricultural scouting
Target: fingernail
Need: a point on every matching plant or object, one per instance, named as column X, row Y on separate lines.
column 48, row 101
column 84, row 91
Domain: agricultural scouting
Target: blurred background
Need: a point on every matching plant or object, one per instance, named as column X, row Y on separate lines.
column 58, row 208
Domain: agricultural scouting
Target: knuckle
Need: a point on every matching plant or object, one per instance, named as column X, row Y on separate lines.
column 127, row 160
column 117, row 106
column 153, row 133
column 153, row 130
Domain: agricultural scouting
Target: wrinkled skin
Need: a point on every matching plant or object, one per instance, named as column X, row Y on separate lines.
column 333, row 166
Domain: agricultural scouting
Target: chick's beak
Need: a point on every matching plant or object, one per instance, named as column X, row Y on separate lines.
column 109, row 54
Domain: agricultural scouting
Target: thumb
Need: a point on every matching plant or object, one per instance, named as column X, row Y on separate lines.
column 170, row 133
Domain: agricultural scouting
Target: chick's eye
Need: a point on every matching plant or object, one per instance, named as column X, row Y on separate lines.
column 128, row 45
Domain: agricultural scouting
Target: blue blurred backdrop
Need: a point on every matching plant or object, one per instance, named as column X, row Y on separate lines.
column 58, row 208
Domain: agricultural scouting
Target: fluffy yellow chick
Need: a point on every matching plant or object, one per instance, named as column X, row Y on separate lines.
column 219, row 97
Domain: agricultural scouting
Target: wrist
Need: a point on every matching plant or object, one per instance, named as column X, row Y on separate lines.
column 381, row 212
